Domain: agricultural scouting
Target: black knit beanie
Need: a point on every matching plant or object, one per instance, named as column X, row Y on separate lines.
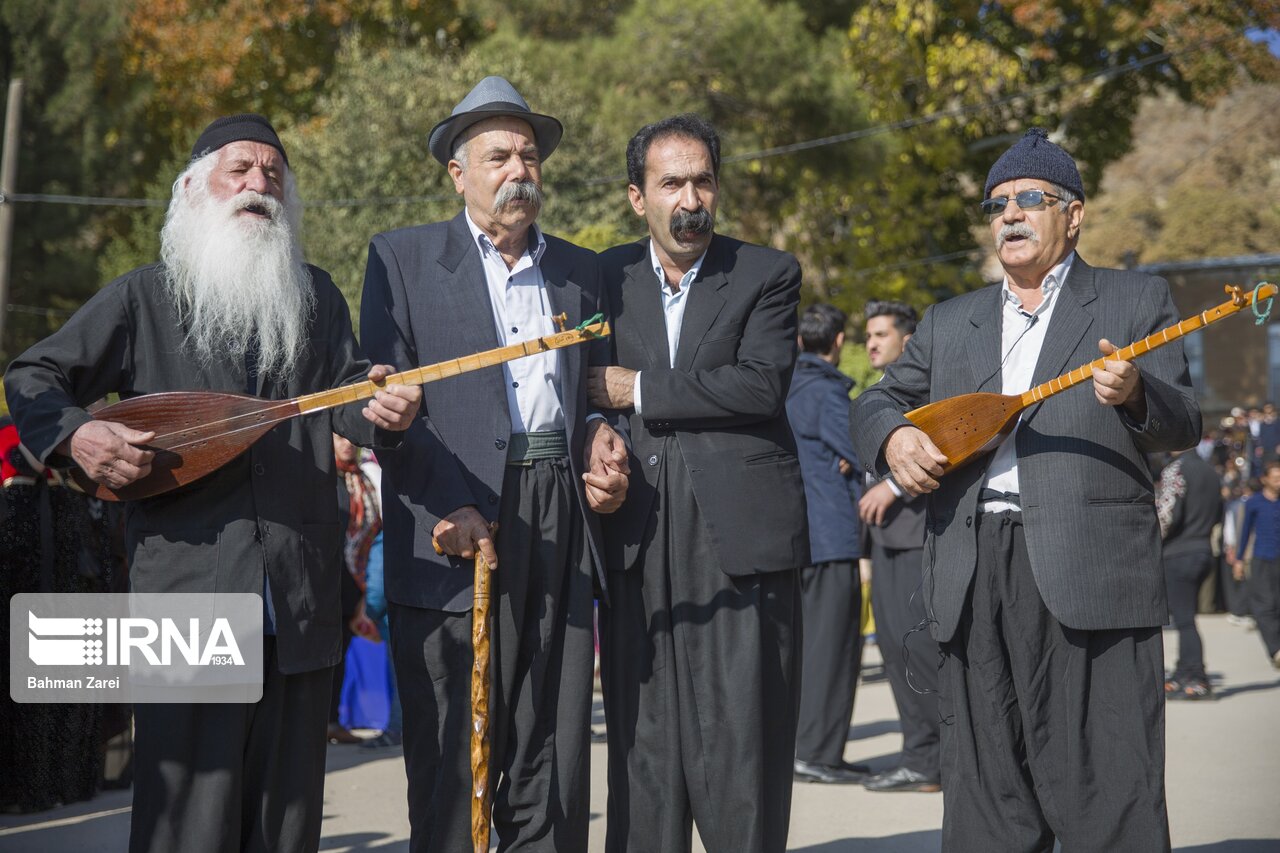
column 1034, row 156
column 249, row 127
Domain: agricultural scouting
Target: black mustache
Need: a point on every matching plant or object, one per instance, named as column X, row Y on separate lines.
column 686, row 223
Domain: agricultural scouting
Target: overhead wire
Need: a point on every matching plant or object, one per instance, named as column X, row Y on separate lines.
column 761, row 154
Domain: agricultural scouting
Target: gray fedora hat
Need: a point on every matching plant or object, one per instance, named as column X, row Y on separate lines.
column 492, row 96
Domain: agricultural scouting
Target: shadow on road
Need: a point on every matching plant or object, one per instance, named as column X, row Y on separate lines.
column 1233, row 845
column 344, row 756
column 907, row 842
column 1224, row 692
column 874, row 729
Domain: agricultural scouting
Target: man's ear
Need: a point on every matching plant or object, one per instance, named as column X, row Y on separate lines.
column 636, row 197
column 1075, row 218
column 455, row 172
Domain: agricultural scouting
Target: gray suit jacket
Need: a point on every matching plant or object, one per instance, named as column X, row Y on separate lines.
column 1087, row 504
column 425, row 300
column 724, row 401
column 273, row 507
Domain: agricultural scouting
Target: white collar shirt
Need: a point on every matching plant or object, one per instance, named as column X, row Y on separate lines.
column 673, row 305
column 1022, row 336
column 521, row 310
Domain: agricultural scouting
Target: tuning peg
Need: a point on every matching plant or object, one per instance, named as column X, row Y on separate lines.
column 560, row 320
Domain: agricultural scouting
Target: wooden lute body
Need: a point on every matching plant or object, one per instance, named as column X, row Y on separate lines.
column 197, row 432
column 967, row 426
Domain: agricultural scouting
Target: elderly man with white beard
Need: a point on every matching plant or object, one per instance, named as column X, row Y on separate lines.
column 231, row 307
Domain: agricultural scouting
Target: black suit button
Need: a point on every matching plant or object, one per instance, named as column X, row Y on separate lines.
column 259, row 470
column 1155, row 423
column 968, row 522
column 653, row 460
column 493, row 499
column 500, row 444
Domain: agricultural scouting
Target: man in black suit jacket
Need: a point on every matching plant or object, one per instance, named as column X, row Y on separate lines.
column 895, row 524
column 699, row 643
column 1042, row 576
column 506, row 445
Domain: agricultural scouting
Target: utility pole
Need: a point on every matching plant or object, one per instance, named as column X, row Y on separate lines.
column 8, row 186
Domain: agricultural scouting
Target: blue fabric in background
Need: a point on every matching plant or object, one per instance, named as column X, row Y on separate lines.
column 366, row 689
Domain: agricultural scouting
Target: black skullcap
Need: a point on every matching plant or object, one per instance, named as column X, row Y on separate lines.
column 249, row 127
column 1034, row 156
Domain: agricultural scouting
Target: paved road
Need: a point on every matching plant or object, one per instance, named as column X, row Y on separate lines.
column 1223, row 780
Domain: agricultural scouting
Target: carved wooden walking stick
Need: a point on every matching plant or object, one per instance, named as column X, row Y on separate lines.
column 197, row 432
column 481, row 796
column 969, row 425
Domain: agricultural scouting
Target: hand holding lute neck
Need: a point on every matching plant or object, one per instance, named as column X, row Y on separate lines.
column 395, row 406
column 1119, row 383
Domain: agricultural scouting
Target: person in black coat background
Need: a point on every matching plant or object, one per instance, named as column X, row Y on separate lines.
column 830, row 588
column 1188, row 504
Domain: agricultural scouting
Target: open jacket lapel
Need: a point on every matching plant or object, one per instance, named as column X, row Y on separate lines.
column 1067, row 327
column 984, row 343
column 642, row 302
column 466, row 293
column 564, row 297
column 705, row 304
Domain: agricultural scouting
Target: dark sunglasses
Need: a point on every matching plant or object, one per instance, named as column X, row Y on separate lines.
column 1027, row 200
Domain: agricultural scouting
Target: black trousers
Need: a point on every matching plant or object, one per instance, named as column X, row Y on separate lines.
column 1234, row 592
column 701, row 691
column 911, row 659
column 541, row 669
column 830, row 602
column 1183, row 574
column 220, row 778
column 1052, row 731
column 1264, row 600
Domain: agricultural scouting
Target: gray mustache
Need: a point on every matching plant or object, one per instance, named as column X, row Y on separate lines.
column 1016, row 229
column 685, row 223
column 268, row 204
column 518, row 191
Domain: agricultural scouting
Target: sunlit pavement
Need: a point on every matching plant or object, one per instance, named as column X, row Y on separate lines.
column 1223, row 779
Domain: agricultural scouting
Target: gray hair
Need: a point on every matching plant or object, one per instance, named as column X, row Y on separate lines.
column 460, row 151
column 1065, row 195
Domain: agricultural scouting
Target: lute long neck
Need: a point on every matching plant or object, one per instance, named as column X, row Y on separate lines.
column 441, row 370
column 1239, row 300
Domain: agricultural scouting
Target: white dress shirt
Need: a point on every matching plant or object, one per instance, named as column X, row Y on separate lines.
column 673, row 304
column 1021, row 338
column 521, row 311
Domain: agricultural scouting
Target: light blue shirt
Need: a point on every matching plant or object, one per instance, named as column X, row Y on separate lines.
column 673, row 305
column 521, row 311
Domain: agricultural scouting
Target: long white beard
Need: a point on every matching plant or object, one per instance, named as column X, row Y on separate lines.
column 236, row 280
